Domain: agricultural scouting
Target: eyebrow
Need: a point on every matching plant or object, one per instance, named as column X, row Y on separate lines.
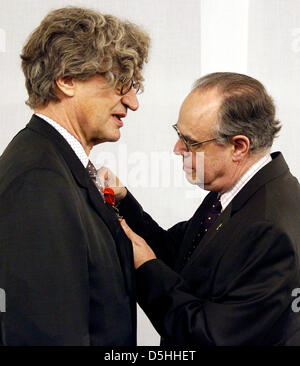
column 186, row 136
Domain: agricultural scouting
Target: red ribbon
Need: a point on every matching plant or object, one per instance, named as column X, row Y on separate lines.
column 109, row 196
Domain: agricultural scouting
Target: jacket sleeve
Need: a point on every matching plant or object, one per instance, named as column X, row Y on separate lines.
column 43, row 263
column 165, row 243
column 246, row 307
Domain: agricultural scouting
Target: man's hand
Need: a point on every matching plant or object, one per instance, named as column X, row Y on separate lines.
column 109, row 179
column 141, row 250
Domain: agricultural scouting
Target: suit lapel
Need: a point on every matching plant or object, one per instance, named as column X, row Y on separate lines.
column 210, row 238
column 193, row 229
column 107, row 214
column 77, row 169
column 269, row 172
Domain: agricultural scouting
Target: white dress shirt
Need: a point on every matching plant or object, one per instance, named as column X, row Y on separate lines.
column 228, row 196
column 71, row 140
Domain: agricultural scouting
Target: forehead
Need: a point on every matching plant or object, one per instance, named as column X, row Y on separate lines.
column 199, row 111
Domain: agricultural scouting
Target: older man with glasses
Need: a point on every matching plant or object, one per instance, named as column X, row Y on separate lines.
column 227, row 275
column 65, row 264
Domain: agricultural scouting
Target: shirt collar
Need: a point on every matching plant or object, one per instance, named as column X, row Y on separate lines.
column 228, row 196
column 71, row 140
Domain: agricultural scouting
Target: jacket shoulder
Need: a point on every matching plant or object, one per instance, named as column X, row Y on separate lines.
column 28, row 151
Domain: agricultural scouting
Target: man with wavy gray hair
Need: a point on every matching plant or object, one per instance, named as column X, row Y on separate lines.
column 65, row 264
column 228, row 275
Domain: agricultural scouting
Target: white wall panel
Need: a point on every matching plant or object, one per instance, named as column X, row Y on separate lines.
column 189, row 38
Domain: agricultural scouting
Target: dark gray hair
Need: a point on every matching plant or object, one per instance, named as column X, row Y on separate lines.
column 80, row 43
column 246, row 109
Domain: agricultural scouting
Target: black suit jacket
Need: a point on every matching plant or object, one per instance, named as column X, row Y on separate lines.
column 237, row 287
column 65, row 264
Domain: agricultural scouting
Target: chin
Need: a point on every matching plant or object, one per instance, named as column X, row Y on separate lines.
column 114, row 137
column 192, row 179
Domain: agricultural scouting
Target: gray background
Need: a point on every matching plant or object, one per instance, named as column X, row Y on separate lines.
column 189, row 38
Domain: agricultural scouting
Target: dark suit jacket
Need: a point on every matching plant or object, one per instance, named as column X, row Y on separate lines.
column 237, row 287
column 65, row 264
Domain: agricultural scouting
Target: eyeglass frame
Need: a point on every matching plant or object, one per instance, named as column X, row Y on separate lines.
column 132, row 84
column 186, row 143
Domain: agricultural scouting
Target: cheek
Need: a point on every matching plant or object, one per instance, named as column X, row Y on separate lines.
column 198, row 165
column 198, row 160
column 98, row 106
column 212, row 165
column 216, row 165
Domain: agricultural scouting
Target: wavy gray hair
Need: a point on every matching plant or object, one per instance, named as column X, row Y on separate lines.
column 246, row 109
column 80, row 43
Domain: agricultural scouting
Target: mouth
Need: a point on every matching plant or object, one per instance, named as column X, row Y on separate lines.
column 187, row 166
column 118, row 118
column 187, row 169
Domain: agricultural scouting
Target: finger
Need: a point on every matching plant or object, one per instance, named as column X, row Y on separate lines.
column 103, row 176
column 127, row 230
column 105, row 183
column 124, row 225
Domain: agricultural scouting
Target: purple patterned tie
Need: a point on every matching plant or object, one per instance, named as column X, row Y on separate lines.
column 211, row 215
column 209, row 219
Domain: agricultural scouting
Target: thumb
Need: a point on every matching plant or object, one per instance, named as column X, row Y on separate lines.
column 127, row 229
column 103, row 175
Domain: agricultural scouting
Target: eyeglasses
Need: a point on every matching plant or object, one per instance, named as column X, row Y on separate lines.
column 187, row 144
column 124, row 84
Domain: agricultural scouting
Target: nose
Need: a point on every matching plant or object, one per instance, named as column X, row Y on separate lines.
column 130, row 100
column 179, row 148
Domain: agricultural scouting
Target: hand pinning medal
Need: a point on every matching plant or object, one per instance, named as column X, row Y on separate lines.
column 110, row 199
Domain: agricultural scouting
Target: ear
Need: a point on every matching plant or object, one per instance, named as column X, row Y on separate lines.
column 66, row 85
column 241, row 146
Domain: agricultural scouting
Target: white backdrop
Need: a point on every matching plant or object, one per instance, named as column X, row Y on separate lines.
column 189, row 38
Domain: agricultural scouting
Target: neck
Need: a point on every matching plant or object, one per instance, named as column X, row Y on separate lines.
column 241, row 168
column 65, row 117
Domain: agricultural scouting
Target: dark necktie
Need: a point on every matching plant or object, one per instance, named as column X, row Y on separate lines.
column 93, row 174
column 211, row 215
column 208, row 220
